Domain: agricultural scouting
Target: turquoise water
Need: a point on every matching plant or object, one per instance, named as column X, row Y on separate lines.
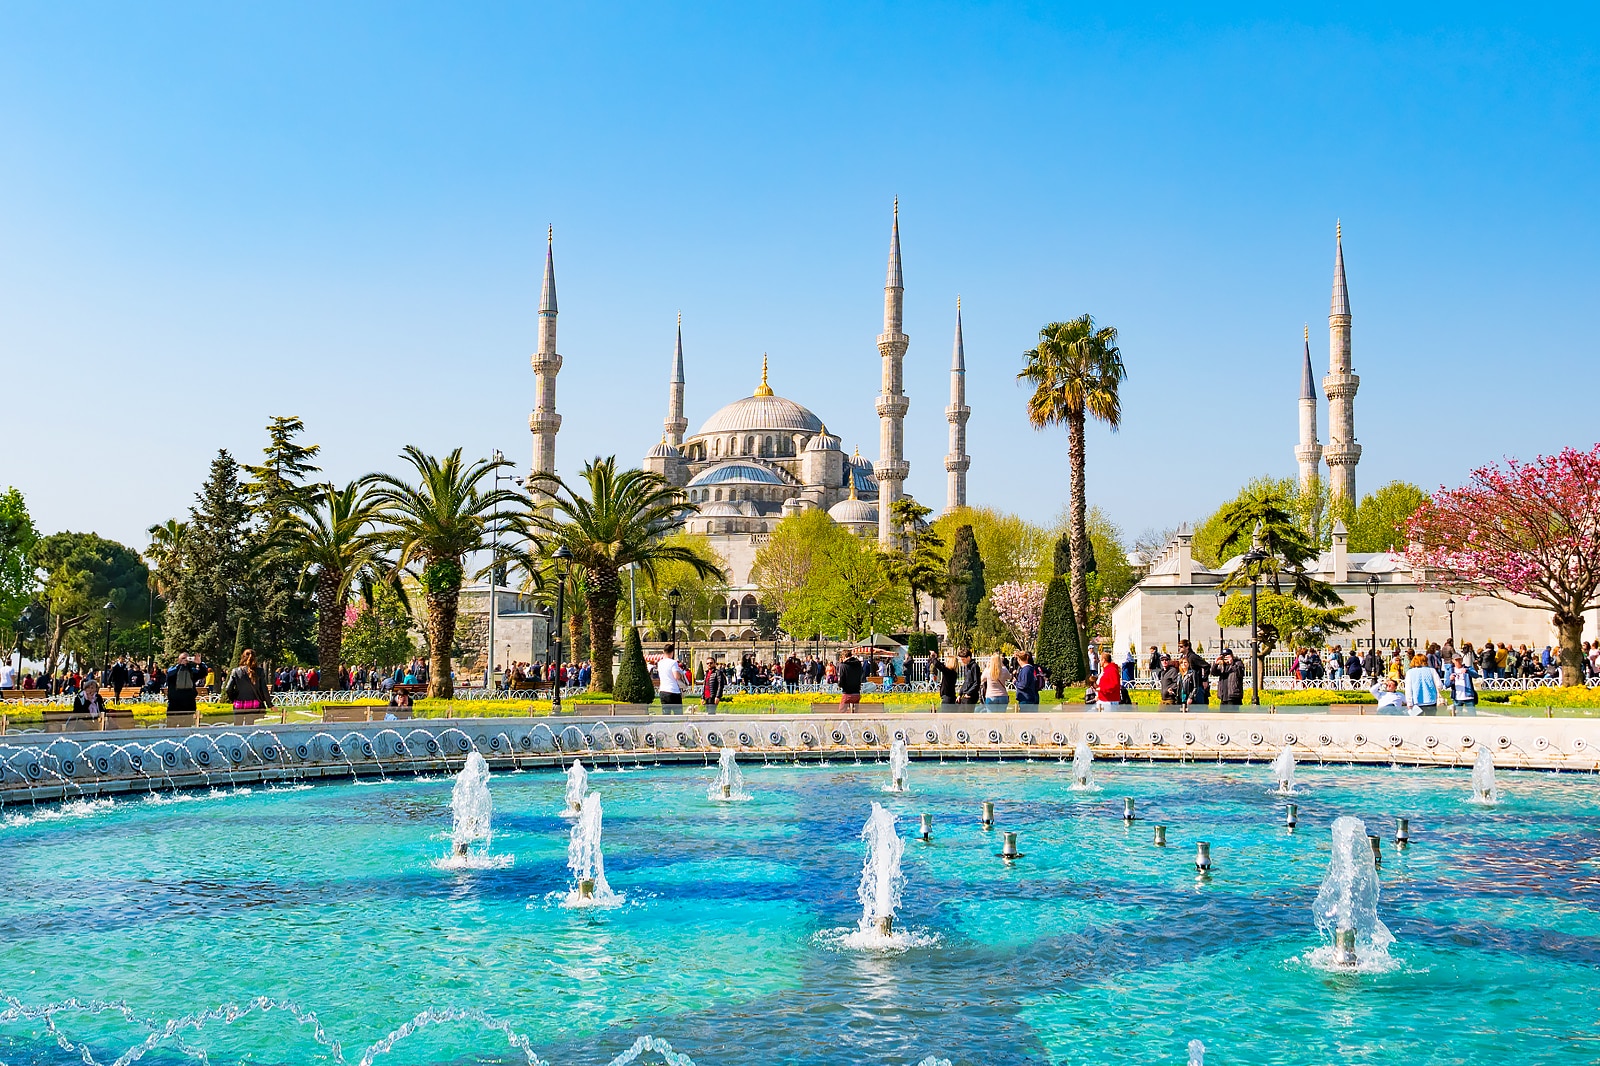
column 1096, row 947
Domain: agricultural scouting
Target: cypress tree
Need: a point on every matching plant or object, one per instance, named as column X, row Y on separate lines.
column 633, row 675
column 965, row 587
column 1060, row 644
column 214, row 589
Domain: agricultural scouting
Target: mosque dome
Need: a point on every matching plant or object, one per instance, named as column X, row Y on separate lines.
column 823, row 442
column 664, row 451
column 764, row 412
column 737, row 472
column 854, row 512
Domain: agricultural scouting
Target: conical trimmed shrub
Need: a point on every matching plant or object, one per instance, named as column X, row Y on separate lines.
column 633, row 683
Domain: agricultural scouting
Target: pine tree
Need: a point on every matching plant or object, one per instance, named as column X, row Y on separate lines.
column 285, row 624
column 633, row 675
column 1060, row 644
column 215, row 588
column 965, row 587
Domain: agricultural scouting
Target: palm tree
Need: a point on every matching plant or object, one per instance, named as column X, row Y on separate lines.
column 1075, row 371
column 329, row 532
column 165, row 552
column 433, row 526
column 625, row 519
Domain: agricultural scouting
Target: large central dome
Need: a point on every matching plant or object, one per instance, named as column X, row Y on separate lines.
column 765, row 411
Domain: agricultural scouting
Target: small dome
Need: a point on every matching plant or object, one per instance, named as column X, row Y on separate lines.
column 823, row 442
column 866, row 481
column 854, row 512
column 719, row 509
column 664, row 451
column 738, row 472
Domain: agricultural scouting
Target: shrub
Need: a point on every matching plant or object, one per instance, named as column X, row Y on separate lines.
column 633, row 677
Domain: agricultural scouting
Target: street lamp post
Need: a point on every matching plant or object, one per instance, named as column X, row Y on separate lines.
column 1179, row 616
column 1450, row 609
column 106, row 665
column 563, row 559
column 1188, row 623
column 1251, row 559
column 497, row 456
column 1411, row 640
column 1372, row 594
column 1222, row 599
column 674, row 595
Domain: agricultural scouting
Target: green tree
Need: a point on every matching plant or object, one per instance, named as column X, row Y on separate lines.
column 377, row 632
column 1076, row 372
column 1266, row 515
column 797, row 547
column 633, row 675
column 284, row 620
column 433, row 526
column 1060, row 649
column 214, row 588
column 1379, row 522
column 625, row 518
column 920, row 563
column 83, row 573
column 17, row 577
column 699, row 595
column 330, row 536
column 1013, row 548
column 964, row 587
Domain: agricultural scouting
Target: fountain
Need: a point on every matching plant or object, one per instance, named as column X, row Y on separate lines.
column 881, row 879
column 729, row 782
column 586, row 861
column 899, row 763
column 470, row 807
column 577, row 788
column 1347, row 904
column 1197, row 1053
column 1283, row 771
column 1083, row 768
column 1484, row 788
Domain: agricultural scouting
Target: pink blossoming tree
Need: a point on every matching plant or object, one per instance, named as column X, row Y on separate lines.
column 1020, row 605
column 1520, row 532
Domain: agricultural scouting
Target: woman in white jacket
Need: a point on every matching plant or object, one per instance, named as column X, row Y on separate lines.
column 1422, row 687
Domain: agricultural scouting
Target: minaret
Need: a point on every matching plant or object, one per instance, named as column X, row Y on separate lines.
column 1309, row 453
column 544, row 422
column 1340, row 385
column 676, row 423
column 956, row 463
column 891, row 468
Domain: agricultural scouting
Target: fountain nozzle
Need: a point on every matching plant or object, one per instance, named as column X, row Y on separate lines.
column 1344, row 947
column 1127, row 808
column 886, row 925
column 461, row 849
column 727, row 791
column 1009, row 849
column 988, row 814
column 586, row 888
column 1402, row 832
column 927, row 827
column 1291, row 817
column 1161, row 836
column 1377, row 850
column 1202, row 857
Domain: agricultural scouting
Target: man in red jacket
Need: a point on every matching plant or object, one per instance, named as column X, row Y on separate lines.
column 1108, row 690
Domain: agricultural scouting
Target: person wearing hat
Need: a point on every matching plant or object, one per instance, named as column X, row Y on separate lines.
column 1167, row 681
column 1229, row 673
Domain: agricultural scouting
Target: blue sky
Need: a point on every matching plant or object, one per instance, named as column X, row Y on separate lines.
column 210, row 214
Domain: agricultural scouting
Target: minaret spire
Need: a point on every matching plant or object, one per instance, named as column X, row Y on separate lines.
column 1340, row 385
column 891, row 468
column 675, row 423
column 957, row 461
column 544, row 422
column 1309, row 451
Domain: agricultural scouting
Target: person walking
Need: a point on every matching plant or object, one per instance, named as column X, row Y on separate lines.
column 670, row 679
column 1028, row 681
column 183, row 683
column 1463, row 693
column 247, row 687
column 1108, row 685
column 851, row 673
column 1130, row 665
column 947, row 672
column 118, row 678
column 1229, row 673
column 712, row 689
column 970, row 688
column 995, row 679
column 1422, row 687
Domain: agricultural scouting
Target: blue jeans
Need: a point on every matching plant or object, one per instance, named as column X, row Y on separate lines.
column 996, row 701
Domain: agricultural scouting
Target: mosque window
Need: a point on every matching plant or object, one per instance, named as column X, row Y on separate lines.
column 766, row 446
column 719, row 494
column 716, row 447
column 749, row 445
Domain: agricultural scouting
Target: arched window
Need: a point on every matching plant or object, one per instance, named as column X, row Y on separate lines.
column 747, row 608
column 719, row 494
column 716, row 447
column 749, row 445
column 766, row 446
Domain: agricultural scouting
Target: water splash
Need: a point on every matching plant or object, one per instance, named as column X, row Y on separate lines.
column 471, row 809
column 899, row 767
column 729, row 782
column 1485, row 789
column 879, row 891
column 1283, row 771
column 1197, row 1053
column 586, row 860
column 70, row 809
column 1346, row 909
column 577, row 788
column 1083, row 768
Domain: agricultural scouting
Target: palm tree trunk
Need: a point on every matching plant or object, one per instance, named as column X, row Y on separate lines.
column 442, row 608
column 1078, row 524
column 603, row 590
column 330, row 630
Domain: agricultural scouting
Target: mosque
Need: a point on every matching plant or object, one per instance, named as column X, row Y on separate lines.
column 763, row 457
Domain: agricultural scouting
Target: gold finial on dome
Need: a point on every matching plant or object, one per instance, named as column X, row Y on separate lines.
column 763, row 389
column 1307, row 328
